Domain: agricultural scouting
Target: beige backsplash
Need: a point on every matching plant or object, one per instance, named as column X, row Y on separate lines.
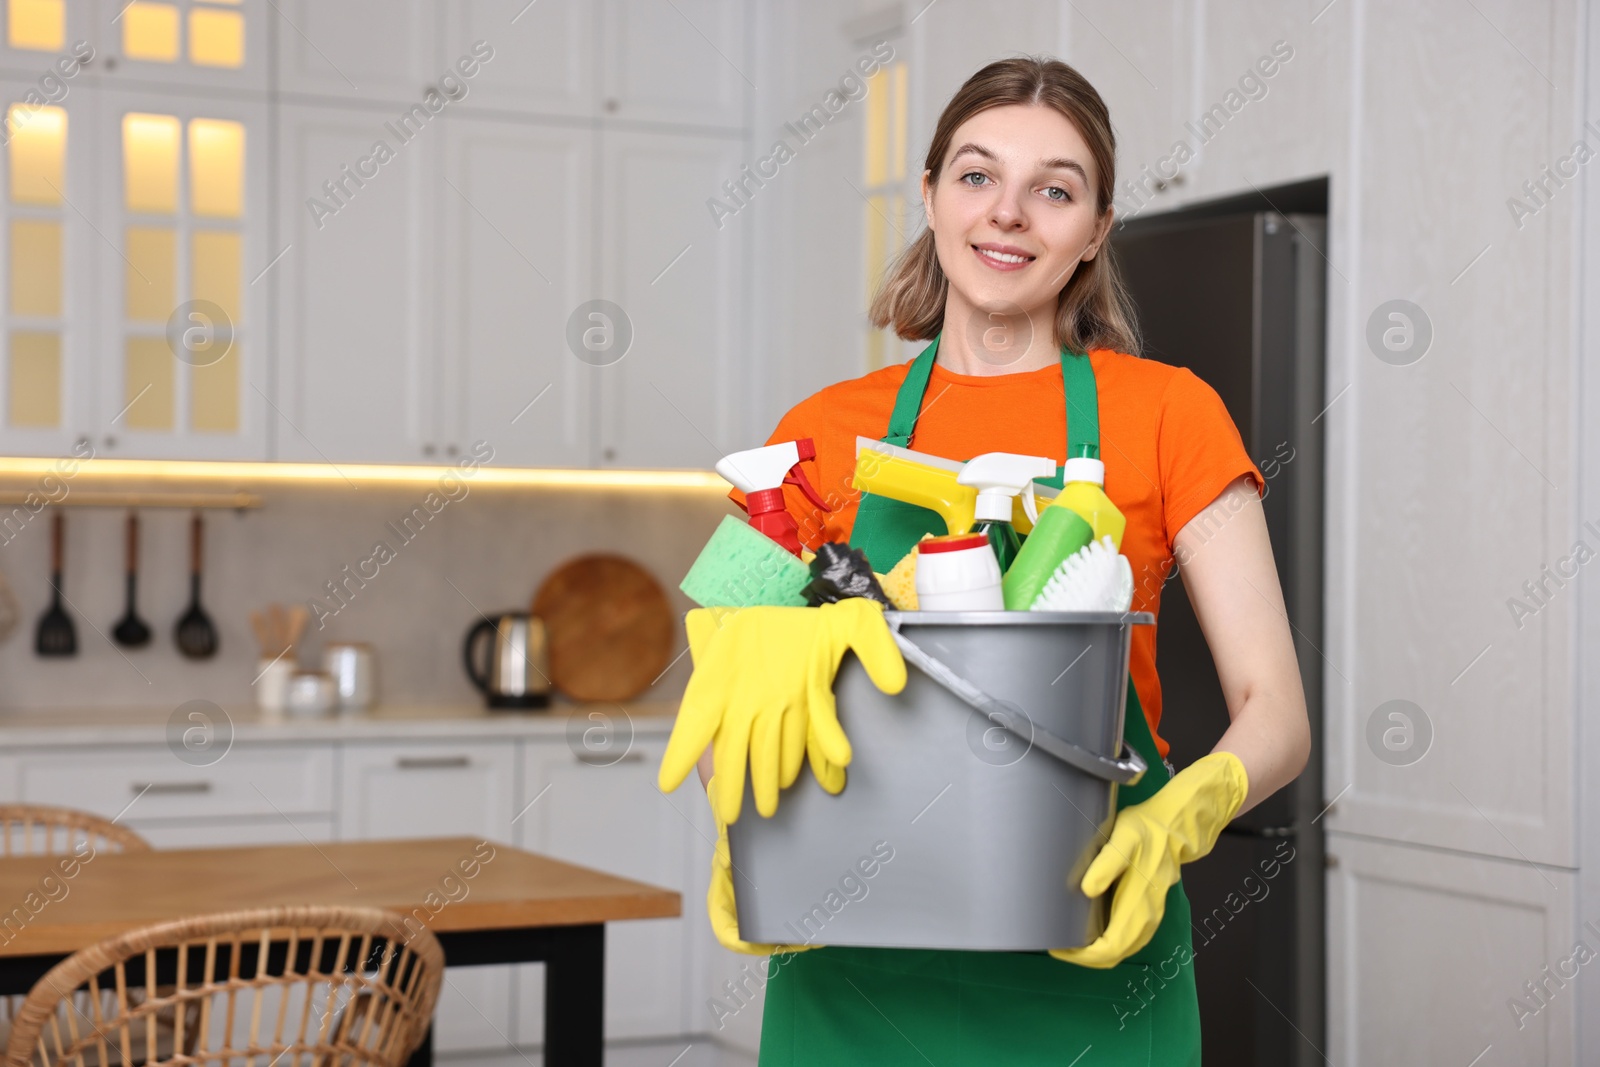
column 494, row 544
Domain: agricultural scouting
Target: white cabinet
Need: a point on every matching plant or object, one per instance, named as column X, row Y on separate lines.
column 674, row 61
column 671, row 398
column 356, row 373
column 604, row 811
column 439, row 789
column 375, row 50
column 1430, row 955
column 49, row 388
column 544, row 54
column 1138, row 57
column 187, row 44
column 515, row 210
column 182, row 337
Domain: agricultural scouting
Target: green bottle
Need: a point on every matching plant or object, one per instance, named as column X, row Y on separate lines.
column 1005, row 541
column 1059, row 533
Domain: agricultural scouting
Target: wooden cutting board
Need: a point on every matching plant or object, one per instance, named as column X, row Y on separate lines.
column 609, row 626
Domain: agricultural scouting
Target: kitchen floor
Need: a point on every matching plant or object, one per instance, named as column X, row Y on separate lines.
column 700, row 1052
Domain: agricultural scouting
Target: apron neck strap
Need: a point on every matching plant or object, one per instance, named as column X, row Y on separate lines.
column 1077, row 382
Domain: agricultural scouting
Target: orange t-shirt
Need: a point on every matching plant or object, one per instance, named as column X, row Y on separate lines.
column 1169, row 445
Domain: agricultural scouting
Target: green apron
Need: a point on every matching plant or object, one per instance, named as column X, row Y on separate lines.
column 839, row 1005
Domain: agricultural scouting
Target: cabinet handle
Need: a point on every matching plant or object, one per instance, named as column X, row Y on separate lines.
column 427, row 450
column 451, row 450
column 171, row 787
column 428, row 763
column 634, row 756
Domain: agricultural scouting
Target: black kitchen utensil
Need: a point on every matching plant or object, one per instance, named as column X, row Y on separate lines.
column 194, row 634
column 131, row 631
column 56, row 635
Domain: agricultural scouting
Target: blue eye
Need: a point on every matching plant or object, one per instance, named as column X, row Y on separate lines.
column 1063, row 198
column 972, row 174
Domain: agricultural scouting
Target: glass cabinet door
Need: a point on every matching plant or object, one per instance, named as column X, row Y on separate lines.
column 44, row 274
column 183, row 325
column 201, row 43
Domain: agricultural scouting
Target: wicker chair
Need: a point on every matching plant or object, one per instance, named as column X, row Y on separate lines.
column 341, row 986
column 33, row 830
column 37, row 830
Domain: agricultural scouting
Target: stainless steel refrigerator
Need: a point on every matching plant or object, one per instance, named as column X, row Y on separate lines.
column 1237, row 297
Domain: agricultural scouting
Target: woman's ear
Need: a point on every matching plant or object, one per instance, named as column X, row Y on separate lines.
column 1102, row 229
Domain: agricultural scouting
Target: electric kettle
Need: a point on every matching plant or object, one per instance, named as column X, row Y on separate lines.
column 517, row 672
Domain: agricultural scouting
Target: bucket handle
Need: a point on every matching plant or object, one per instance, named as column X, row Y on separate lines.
column 1126, row 771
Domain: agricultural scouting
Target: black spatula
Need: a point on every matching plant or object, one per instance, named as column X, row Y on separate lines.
column 194, row 634
column 131, row 631
column 56, row 635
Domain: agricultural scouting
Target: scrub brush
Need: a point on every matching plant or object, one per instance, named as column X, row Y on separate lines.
column 1094, row 578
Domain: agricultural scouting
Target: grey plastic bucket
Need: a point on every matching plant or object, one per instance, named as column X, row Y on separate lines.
column 974, row 801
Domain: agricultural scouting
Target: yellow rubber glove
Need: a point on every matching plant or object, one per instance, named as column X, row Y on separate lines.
column 1149, row 841
column 762, row 693
column 719, row 899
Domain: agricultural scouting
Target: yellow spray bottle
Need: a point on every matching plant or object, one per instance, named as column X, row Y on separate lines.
column 916, row 478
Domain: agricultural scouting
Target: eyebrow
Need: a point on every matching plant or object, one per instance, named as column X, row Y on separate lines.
column 1055, row 163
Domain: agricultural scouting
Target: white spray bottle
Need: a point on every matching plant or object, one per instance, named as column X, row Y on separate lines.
column 999, row 478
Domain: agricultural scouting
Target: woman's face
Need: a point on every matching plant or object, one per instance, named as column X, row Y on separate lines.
column 1019, row 181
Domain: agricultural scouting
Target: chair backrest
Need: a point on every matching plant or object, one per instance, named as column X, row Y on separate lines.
column 36, row 830
column 338, row 985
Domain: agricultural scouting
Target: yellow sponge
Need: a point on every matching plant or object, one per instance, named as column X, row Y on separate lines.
column 901, row 582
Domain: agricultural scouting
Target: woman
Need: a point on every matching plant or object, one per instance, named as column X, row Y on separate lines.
column 1031, row 336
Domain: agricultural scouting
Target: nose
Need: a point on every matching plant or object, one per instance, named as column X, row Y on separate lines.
column 1007, row 212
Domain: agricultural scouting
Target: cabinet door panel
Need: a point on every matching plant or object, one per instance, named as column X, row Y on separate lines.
column 355, row 381
column 1431, row 955
column 378, row 50
column 614, row 819
column 48, row 254
column 186, row 44
column 31, row 43
column 184, row 334
column 544, row 54
column 436, row 789
column 671, row 399
column 674, row 61
column 515, row 207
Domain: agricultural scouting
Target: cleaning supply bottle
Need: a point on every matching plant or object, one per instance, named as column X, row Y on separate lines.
column 1083, row 480
column 762, row 473
column 1079, row 515
column 957, row 572
column 915, row 478
column 1000, row 478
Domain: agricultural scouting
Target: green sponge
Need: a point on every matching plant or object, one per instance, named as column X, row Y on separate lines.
column 741, row 567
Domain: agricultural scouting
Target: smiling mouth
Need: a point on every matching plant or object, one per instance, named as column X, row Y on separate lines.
column 1003, row 257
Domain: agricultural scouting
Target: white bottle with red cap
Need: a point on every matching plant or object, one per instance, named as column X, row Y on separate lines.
column 958, row 572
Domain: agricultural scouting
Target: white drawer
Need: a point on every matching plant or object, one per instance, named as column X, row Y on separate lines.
column 254, row 780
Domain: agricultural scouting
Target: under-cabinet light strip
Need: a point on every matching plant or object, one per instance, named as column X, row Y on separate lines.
column 309, row 473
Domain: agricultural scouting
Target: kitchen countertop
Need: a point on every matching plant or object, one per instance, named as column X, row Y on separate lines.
column 54, row 727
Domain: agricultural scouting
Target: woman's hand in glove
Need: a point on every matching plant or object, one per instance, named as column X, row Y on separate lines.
column 762, row 692
column 1149, row 841
column 719, row 899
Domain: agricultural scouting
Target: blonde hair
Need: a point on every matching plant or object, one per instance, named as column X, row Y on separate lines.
column 1094, row 309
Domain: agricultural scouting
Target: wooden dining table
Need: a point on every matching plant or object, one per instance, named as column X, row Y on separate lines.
column 518, row 907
